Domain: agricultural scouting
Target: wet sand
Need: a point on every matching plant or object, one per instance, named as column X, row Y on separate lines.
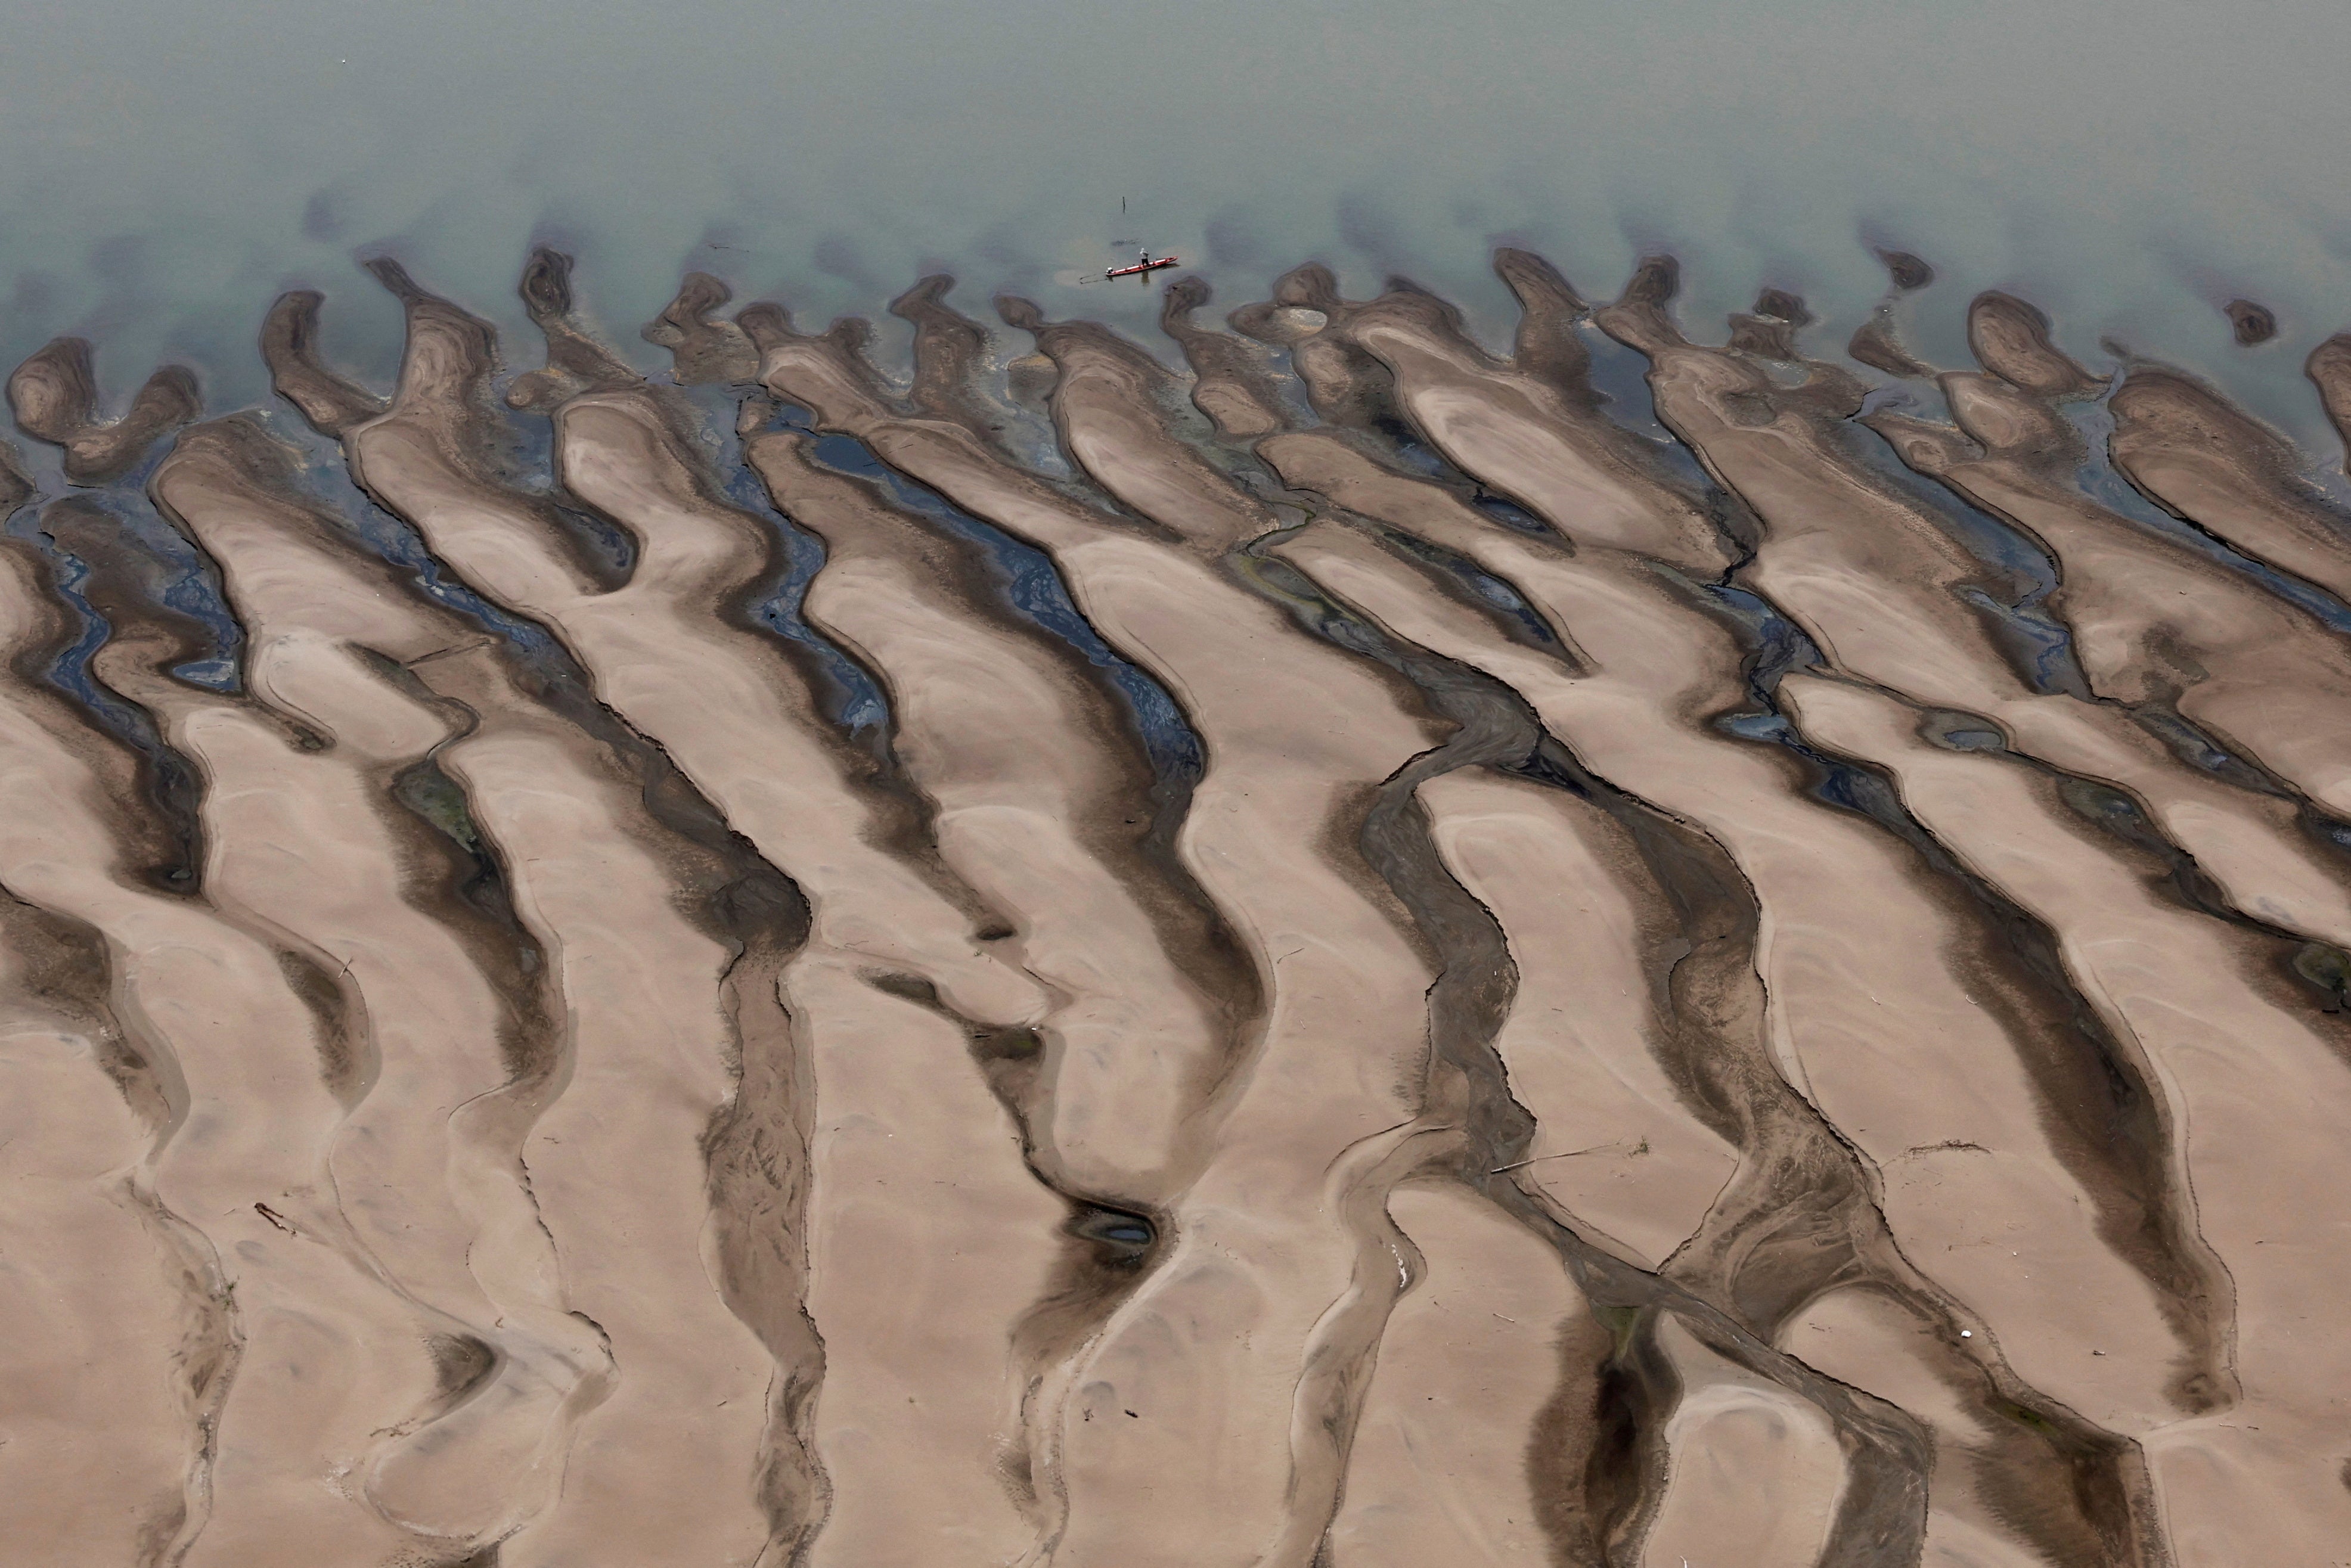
column 1377, row 960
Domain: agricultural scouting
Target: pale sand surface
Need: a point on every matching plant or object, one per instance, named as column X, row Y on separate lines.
column 1260, row 1260
column 1520, row 436
column 2191, row 453
column 2154, row 621
column 1753, row 1473
column 1943, row 1108
column 737, row 719
column 858, row 1246
column 427, row 1167
column 1033, row 780
column 333, row 1355
column 647, row 1045
column 1865, row 1338
column 1870, row 576
column 1655, row 1022
column 1477, row 1355
column 927, row 1242
column 286, row 577
column 1828, row 978
column 2177, row 985
column 1613, row 1145
column 792, row 792
column 95, row 1455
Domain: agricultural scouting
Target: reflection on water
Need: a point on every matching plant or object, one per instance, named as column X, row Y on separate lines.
column 169, row 169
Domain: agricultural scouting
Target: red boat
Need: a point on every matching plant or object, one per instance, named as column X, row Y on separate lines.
column 1141, row 267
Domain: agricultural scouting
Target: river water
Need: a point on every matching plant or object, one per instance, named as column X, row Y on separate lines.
column 2128, row 165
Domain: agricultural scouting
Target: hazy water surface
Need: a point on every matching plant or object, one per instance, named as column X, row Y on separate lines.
column 2130, row 166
